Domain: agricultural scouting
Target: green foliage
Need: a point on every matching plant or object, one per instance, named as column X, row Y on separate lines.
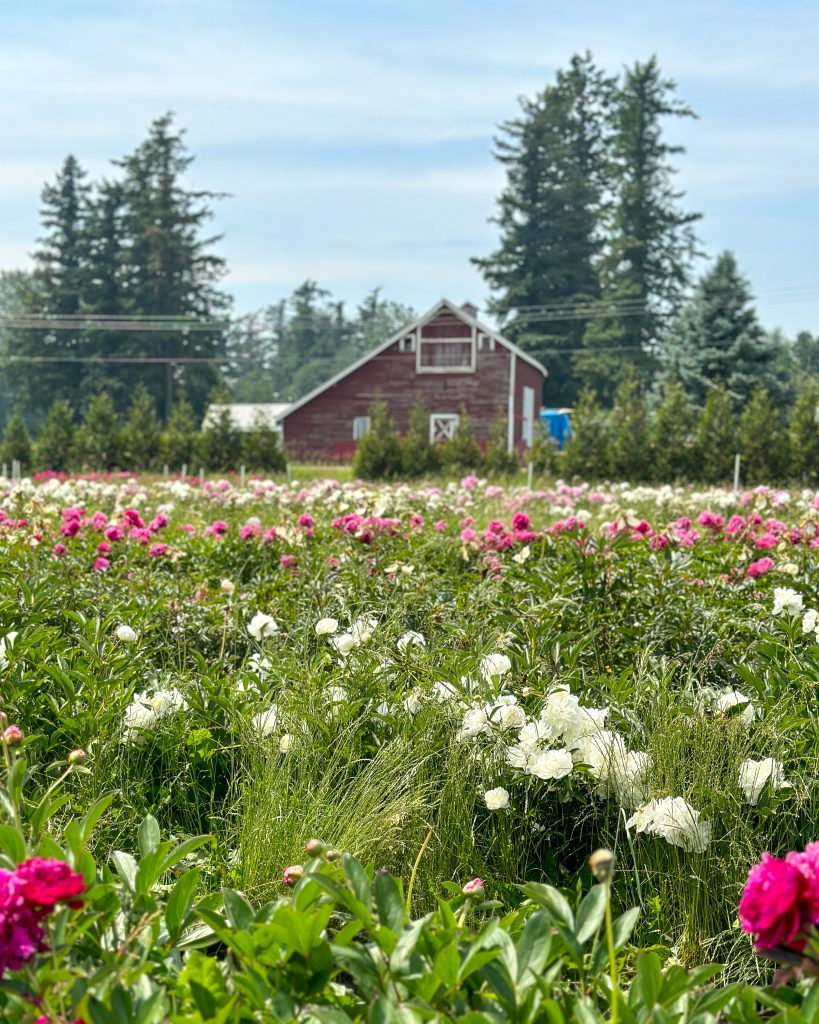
column 717, row 340
column 627, row 434
column 97, row 438
column 219, row 446
column 497, row 460
column 804, row 433
column 178, row 442
column 418, row 455
column 262, row 449
column 543, row 454
column 716, row 438
column 585, row 453
column 140, row 436
column 55, row 444
column 16, row 442
column 461, row 452
column 378, row 455
column 672, row 436
column 762, row 440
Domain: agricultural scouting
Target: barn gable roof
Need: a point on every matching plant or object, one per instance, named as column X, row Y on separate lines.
column 414, row 325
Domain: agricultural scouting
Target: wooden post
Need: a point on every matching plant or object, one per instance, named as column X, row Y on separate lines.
column 15, row 470
column 184, row 471
column 165, row 471
column 5, row 471
column 737, row 461
column 202, row 475
column 530, row 472
column 242, row 475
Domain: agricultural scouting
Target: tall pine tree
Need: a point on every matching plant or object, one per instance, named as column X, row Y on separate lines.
column 548, row 215
column 651, row 243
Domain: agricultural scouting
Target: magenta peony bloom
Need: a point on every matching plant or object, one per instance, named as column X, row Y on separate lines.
column 20, row 933
column 773, row 904
column 764, row 565
column 44, row 882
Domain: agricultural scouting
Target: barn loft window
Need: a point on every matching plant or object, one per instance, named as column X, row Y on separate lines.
column 408, row 343
column 486, row 343
column 361, row 424
column 442, row 355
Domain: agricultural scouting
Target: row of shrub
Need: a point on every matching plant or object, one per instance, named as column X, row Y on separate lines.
column 99, row 442
column 675, row 441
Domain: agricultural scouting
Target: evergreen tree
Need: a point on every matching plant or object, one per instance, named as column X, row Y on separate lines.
column 763, row 441
column 60, row 273
column 262, row 449
column 54, row 448
column 627, row 451
column 16, row 443
column 585, row 454
column 98, row 435
column 672, row 435
column 179, row 440
column 646, row 266
column 418, row 455
column 716, row 438
column 549, row 213
column 378, row 455
column 461, row 453
column 219, row 446
column 717, row 339
column 140, row 436
column 168, row 267
column 804, row 433
column 17, row 291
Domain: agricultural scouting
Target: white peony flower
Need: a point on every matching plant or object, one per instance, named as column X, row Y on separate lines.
column 362, row 630
column 265, row 721
column 227, row 587
column 260, row 664
column 262, row 626
column 810, row 621
column 444, row 691
column 126, row 634
column 753, row 775
column 786, row 601
column 410, row 639
column 475, row 722
column 522, row 555
column 496, row 799
column 413, row 701
column 6, row 645
column 493, row 666
column 674, row 820
column 286, row 743
column 551, row 764
column 167, row 702
column 344, row 643
column 730, row 699
column 326, row 627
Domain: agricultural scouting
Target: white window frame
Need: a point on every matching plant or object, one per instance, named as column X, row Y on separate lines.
column 486, row 343
column 447, row 417
column 470, row 340
column 361, row 424
column 407, row 343
column 527, row 419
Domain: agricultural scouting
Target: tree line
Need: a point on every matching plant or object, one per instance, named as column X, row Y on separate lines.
column 101, row 442
column 594, row 273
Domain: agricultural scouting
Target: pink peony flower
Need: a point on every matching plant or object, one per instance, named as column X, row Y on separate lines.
column 761, row 567
column 772, row 906
column 520, row 521
column 114, row 533
column 44, row 882
column 101, row 564
column 158, row 550
column 59, row 550
column 439, row 526
column 467, row 535
column 474, row 888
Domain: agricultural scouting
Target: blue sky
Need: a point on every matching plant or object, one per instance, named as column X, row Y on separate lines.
column 355, row 136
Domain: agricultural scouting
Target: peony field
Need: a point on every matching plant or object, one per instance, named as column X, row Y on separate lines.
column 325, row 751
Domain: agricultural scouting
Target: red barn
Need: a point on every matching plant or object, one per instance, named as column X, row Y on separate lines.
column 443, row 361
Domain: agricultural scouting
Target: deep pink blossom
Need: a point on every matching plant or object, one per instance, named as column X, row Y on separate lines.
column 773, row 904
column 520, row 521
column 767, row 540
column 439, row 526
column 760, row 568
column 101, row 564
column 59, row 550
column 158, row 550
column 45, row 881
column 114, row 533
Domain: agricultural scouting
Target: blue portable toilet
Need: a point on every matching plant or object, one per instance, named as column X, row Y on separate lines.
column 558, row 424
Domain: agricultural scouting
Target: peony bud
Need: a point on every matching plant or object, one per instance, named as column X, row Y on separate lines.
column 332, row 855
column 601, row 863
column 474, row 889
column 315, row 847
column 13, row 736
column 227, row 587
column 292, row 874
column 126, row 634
column 77, row 757
column 4, row 719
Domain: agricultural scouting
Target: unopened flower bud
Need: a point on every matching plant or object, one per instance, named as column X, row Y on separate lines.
column 475, row 888
column 292, row 874
column 4, row 719
column 126, row 635
column 13, row 736
column 332, row 854
column 601, row 863
column 228, row 586
column 77, row 757
column 315, row 847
